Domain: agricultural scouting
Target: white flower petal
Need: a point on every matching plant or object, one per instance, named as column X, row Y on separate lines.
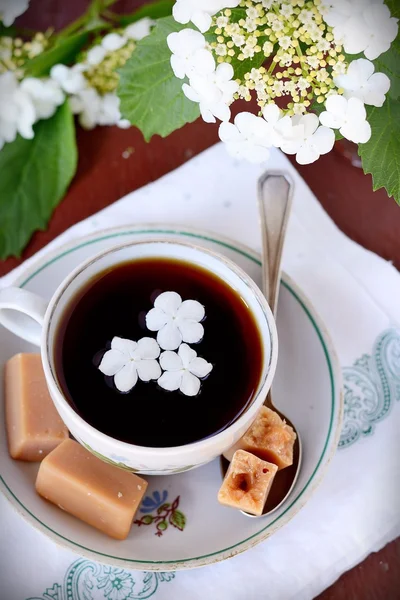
column 185, row 42
column 169, row 302
column 336, row 104
column 113, row 41
column 169, row 337
column 191, row 331
column 126, row 378
column 156, row 319
column 310, row 123
column 112, row 362
column 170, row 380
column 95, row 55
column 324, row 139
column 228, row 132
column 190, row 93
column 125, row 346
column 139, row 30
column 148, row 369
column 178, row 66
column 307, row 154
column 206, row 114
column 224, row 72
column 191, row 309
column 201, row 63
column 202, row 21
column 220, row 110
column 11, row 9
column 200, row 367
column 186, row 354
column 271, row 113
column 170, row 361
column 148, row 348
column 190, row 384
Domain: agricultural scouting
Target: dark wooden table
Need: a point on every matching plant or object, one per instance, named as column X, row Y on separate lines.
column 104, row 175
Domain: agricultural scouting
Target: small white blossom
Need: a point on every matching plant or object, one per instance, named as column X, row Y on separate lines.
column 362, row 25
column 139, row 30
column 349, row 116
column 113, row 41
column 17, row 112
column 286, row 10
column 247, row 137
column 214, row 93
column 199, row 12
column 175, row 320
column 46, row 96
column 189, row 54
column 11, row 9
column 268, row 48
column 306, row 16
column 306, row 139
column 285, row 42
column 361, row 82
column 127, row 361
column 93, row 109
column 250, row 25
column 96, row 55
column 222, row 22
column 182, row 370
column 70, row 79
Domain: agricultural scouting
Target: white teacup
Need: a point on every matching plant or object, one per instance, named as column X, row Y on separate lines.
column 30, row 317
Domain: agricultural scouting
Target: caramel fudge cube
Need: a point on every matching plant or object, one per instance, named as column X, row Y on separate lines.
column 269, row 437
column 34, row 427
column 96, row 492
column 247, row 483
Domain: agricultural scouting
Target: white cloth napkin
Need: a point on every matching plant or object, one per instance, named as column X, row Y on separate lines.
column 356, row 509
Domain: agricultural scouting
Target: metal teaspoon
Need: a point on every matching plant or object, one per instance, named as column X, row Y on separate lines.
column 274, row 201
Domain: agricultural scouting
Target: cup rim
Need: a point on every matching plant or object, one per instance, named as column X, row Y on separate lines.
column 169, row 451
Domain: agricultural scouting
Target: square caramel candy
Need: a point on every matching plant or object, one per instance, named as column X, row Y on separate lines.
column 269, row 437
column 100, row 494
column 34, row 427
column 247, row 483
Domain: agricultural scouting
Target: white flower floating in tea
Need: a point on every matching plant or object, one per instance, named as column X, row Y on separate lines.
column 175, row 320
column 182, row 370
column 128, row 360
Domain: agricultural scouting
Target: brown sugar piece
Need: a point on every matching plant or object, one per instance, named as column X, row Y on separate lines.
column 247, row 483
column 34, row 427
column 269, row 437
column 96, row 492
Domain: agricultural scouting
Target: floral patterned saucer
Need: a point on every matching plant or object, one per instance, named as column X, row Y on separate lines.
column 180, row 524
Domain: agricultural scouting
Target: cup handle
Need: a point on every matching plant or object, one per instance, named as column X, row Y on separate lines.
column 22, row 312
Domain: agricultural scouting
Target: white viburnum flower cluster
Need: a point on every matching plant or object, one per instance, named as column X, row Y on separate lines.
column 23, row 103
column 91, row 84
column 176, row 368
column 317, row 72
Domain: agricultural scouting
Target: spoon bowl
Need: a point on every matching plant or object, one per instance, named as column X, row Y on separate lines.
column 275, row 191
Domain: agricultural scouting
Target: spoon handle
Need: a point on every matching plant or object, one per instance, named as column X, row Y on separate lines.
column 275, row 190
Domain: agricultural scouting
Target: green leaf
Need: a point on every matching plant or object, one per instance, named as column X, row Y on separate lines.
column 381, row 155
column 389, row 63
column 155, row 10
column 178, row 520
column 63, row 52
column 34, row 177
column 151, row 96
